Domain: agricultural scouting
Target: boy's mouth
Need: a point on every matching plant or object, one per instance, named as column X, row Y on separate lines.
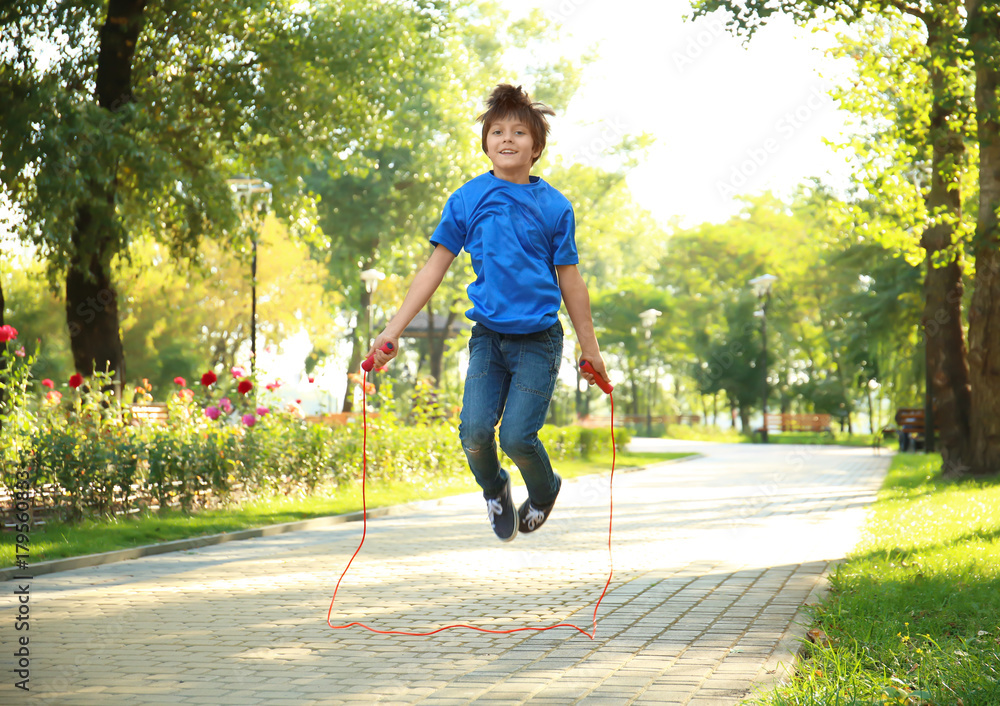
column 508, row 151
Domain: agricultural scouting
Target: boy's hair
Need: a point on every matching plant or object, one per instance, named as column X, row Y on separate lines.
column 509, row 102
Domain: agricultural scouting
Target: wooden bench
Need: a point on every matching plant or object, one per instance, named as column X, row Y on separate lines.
column 336, row 419
column 910, row 428
column 819, row 423
column 152, row 413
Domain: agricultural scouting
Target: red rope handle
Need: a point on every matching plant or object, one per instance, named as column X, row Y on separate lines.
column 364, row 531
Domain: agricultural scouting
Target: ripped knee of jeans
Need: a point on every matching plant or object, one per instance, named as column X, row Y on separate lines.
column 477, row 440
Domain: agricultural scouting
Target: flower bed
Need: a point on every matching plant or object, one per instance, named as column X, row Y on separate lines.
column 79, row 452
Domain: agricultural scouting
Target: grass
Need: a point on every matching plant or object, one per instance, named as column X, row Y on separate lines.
column 914, row 613
column 92, row 536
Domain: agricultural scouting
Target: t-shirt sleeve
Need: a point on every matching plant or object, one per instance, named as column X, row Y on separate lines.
column 451, row 231
column 564, row 241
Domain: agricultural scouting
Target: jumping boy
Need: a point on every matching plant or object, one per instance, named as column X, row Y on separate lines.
column 520, row 233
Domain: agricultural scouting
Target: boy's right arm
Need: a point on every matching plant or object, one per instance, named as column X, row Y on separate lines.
column 421, row 289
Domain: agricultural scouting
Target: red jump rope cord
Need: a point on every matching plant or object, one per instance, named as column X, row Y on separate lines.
column 364, row 531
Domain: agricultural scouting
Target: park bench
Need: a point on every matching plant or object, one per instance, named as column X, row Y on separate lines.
column 910, row 428
column 336, row 419
column 152, row 413
column 786, row 422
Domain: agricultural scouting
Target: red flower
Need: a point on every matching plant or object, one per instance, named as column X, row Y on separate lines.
column 312, row 379
column 244, row 387
column 180, row 381
column 208, row 378
column 7, row 333
column 75, row 380
column 48, row 383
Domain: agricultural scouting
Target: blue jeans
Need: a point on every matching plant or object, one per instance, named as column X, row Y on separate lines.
column 511, row 376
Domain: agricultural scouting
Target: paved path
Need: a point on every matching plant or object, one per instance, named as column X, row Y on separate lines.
column 713, row 557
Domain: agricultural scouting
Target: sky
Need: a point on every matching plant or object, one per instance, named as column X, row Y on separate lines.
column 729, row 119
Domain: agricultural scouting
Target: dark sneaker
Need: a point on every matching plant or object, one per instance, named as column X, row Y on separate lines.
column 500, row 510
column 531, row 516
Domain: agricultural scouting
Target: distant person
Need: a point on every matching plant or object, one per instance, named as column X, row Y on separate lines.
column 520, row 234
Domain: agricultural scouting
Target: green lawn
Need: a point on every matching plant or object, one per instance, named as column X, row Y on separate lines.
column 58, row 541
column 914, row 613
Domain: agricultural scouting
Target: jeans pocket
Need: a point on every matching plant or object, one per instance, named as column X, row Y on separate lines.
column 480, row 349
column 538, row 363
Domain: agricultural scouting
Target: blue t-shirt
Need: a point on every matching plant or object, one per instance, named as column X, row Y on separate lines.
column 515, row 234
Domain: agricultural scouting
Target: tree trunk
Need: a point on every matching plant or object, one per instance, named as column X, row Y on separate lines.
column 91, row 299
column 948, row 374
column 92, row 311
column 984, row 314
column 436, row 343
column 358, row 349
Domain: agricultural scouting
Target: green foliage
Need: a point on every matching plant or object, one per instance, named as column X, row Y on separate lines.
column 97, row 458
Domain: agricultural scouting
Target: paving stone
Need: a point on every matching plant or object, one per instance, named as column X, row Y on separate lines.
column 712, row 558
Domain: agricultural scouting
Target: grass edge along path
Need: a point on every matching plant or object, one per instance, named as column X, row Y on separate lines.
column 912, row 617
column 95, row 536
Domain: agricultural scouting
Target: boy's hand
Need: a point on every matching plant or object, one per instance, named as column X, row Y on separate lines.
column 381, row 357
column 597, row 361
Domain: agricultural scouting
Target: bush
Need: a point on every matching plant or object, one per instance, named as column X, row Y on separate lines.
column 220, row 443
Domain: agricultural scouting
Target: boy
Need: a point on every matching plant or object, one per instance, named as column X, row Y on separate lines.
column 520, row 234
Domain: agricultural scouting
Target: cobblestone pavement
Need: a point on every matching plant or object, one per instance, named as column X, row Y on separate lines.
column 712, row 559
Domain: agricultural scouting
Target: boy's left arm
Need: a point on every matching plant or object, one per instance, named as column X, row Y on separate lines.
column 577, row 299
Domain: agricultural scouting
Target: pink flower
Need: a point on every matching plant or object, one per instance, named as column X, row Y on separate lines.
column 261, row 411
column 226, row 404
column 212, row 412
column 53, row 396
column 239, row 372
column 180, row 381
column 249, row 420
column 271, row 387
column 186, row 394
column 244, row 387
column 48, row 383
column 19, row 352
column 209, row 378
column 75, row 380
column 7, row 333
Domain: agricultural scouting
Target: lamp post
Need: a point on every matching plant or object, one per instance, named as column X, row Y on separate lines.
column 244, row 188
column 762, row 289
column 371, row 278
column 647, row 319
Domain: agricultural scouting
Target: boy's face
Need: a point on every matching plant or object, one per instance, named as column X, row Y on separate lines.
column 511, row 149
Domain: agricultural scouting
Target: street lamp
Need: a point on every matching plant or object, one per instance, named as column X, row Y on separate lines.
column 762, row 289
column 647, row 319
column 244, row 188
column 371, row 278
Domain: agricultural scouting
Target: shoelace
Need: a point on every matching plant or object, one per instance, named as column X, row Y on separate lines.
column 493, row 509
column 534, row 517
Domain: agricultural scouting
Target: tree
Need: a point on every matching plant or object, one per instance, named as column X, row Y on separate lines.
column 984, row 334
column 135, row 131
column 947, row 374
column 378, row 204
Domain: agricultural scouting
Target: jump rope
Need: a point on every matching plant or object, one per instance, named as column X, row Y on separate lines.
column 367, row 366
